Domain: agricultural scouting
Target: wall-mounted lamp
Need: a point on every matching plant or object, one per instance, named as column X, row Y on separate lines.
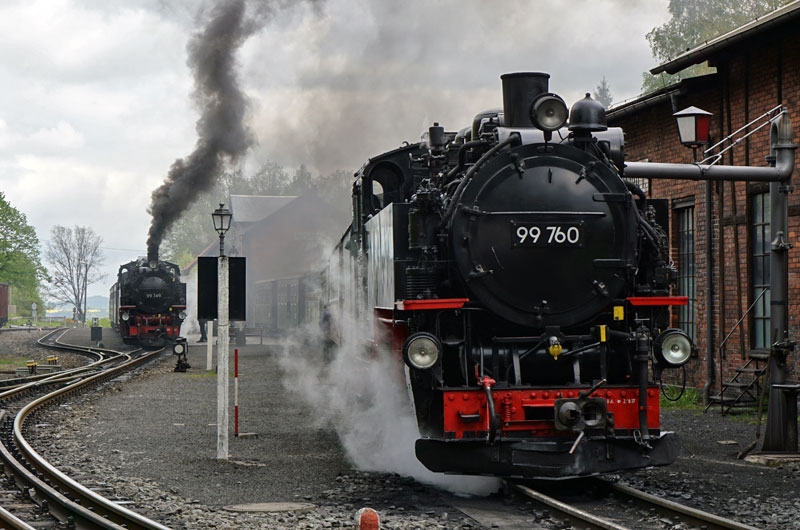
column 693, row 126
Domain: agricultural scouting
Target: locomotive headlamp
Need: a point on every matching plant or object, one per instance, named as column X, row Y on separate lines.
column 125, row 316
column 673, row 348
column 549, row 112
column 182, row 315
column 422, row 351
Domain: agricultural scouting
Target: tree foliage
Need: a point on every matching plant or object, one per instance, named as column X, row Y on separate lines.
column 603, row 93
column 20, row 265
column 75, row 257
column 694, row 22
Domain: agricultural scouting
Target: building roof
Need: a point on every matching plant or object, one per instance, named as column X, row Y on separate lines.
column 681, row 87
column 785, row 15
column 254, row 208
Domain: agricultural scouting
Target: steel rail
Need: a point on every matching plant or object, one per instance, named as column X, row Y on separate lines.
column 66, row 499
column 12, row 522
column 693, row 515
column 573, row 513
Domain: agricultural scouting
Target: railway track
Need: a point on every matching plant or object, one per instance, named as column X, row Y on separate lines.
column 614, row 506
column 46, row 491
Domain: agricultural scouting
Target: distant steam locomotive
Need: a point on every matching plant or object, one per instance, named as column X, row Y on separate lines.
column 524, row 288
column 147, row 304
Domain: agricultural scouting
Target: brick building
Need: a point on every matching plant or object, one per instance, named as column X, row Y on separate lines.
column 720, row 231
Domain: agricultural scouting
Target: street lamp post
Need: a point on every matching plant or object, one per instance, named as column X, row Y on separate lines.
column 222, row 223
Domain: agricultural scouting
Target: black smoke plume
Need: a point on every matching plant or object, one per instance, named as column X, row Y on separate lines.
column 221, row 129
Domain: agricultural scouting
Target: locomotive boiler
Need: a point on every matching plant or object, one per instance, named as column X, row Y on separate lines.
column 524, row 287
column 148, row 302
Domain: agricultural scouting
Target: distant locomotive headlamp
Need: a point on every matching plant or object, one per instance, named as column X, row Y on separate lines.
column 673, row 348
column 125, row 316
column 422, row 351
column 549, row 112
column 693, row 126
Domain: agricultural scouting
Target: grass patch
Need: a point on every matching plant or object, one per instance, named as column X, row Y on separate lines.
column 691, row 398
column 14, row 361
column 206, row 374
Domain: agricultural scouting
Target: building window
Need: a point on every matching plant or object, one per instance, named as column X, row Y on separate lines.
column 760, row 280
column 684, row 216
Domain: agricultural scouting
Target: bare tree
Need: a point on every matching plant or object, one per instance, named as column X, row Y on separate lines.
column 76, row 258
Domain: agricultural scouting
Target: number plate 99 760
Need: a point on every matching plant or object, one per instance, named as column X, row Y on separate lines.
column 546, row 235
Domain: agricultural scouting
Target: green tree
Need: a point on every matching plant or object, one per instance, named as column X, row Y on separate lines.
column 693, row 22
column 302, row 181
column 270, row 179
column 76, row 259
column 20, row 265
column 603, row 93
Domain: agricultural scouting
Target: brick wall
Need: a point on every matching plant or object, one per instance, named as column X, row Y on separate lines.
column 751, row 79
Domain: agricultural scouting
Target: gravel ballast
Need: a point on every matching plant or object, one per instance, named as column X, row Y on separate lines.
column 153, row 439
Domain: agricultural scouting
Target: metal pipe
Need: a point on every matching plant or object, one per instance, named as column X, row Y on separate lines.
column 710, row 368
column 782, row 146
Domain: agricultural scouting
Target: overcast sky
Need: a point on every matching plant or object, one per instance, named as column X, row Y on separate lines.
column 96, row 95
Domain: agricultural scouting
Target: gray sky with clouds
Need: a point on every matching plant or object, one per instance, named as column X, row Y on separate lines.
column 95, row 95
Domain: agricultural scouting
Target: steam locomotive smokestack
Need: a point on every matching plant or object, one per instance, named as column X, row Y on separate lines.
column 519, row 91
column 152, row 256
column 221, row 131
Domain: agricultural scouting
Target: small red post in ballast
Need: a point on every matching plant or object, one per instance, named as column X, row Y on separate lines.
column 236, row 432
column 236, row 392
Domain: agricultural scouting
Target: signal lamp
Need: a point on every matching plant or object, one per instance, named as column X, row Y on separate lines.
column 180, row 347
column 548, row 112
column 422, row 351
column 673, row 348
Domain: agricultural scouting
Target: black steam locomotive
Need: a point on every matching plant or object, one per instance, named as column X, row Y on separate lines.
column 524, row 287
column 147, row 304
